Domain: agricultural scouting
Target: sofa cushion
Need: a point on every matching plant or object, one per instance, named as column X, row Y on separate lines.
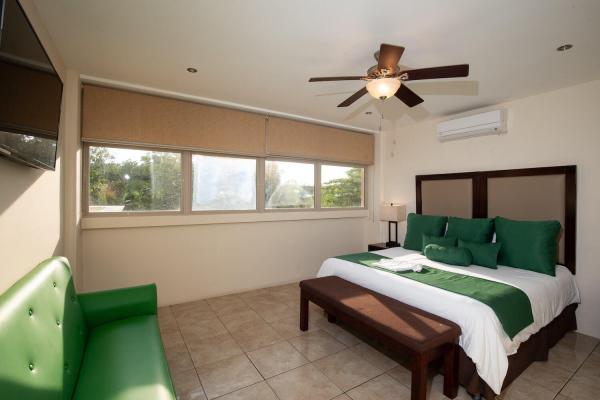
column 42, row 334
column 124, row 359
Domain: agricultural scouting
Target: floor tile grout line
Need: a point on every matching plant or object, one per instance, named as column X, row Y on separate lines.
column 230, row 331
column 272, row 388
column 244, row 352
column 189, row 353
column 309, row 362
column 368, row 380
column 398, row 380
column 577, row 370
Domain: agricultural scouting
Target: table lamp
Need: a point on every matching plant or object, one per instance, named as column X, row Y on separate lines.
column 393, row 213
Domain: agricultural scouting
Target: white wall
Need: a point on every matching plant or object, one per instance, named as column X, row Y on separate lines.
column 30, row 199
column 71, row 173
column 200, row 261
column 30, row 219
column 554, row 128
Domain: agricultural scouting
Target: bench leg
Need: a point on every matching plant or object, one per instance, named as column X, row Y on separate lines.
column 451, row 371
column 303, row 312
column 418, row 387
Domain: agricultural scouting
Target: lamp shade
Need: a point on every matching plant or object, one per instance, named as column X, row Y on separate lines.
column 382, row 88
column 392, row 212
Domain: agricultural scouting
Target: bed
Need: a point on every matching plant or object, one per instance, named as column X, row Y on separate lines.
column 490, row 360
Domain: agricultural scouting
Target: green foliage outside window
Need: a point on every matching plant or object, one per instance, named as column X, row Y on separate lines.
column 151, row 182
column 343, row 192
column 138, row 180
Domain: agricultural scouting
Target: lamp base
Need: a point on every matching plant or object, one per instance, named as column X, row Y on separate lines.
column 392, row 244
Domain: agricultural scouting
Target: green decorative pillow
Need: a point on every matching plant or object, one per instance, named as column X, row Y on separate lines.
column 444, row 241
column 479, row 230
column 531, row 245
column 419, row 225
column 448, row 255
column 484, row 254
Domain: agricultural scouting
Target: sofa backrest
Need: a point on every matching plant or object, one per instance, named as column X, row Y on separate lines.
column 42, row 334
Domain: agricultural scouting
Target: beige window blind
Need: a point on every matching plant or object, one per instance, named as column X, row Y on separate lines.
column 298, row 139
column 123, row 116
column 115, row 115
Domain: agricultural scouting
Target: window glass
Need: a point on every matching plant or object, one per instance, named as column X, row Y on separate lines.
column 223, row 183
column 130, row 180
column 289, row 184
column 342, row 187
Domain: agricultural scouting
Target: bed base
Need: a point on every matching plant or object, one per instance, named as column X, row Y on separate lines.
column 534, row 349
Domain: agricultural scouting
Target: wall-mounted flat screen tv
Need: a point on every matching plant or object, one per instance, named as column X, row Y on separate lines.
column 30, row 92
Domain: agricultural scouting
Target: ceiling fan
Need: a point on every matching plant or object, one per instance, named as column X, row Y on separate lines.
column 386, row 78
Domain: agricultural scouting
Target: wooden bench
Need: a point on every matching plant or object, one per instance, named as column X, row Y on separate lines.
column 399, row 327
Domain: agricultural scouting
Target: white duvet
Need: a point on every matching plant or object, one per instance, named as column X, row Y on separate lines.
column 483, row 338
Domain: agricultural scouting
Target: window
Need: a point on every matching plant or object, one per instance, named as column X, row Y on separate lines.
column 128, row 180
column 289, row 184
column 342, row 187
column 223, row 183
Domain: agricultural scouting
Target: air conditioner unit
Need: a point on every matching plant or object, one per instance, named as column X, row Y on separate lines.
column 491, row 122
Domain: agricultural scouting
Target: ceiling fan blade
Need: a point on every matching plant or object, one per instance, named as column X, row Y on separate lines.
column 353, row 98
column 389, row 55
column 336, row 78
column 448, row 71
column 409, row 97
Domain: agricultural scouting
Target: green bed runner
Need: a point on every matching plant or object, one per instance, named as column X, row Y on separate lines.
column 511, row 305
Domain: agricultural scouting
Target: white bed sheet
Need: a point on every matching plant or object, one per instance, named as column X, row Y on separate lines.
column 483, row 338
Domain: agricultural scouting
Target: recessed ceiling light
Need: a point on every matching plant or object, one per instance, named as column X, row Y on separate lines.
column 192, row 70
column 564, row 47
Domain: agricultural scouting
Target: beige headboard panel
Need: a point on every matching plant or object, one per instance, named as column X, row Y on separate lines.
column 452, row 197
column 524, row 194
column 539, row 197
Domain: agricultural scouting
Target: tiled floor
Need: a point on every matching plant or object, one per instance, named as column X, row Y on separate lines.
column 249, row 347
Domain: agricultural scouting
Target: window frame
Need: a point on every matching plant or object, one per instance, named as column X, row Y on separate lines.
column 85, row 200
column 187, row 183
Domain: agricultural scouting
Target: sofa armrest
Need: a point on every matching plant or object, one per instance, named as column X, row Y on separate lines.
column 111, row 305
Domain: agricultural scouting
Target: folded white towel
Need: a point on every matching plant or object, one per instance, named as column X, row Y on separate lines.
column 397, row 265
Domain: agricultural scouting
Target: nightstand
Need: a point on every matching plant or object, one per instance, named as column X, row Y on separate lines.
column 380, row 246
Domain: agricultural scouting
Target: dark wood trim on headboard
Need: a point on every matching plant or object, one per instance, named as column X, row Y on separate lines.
column 480, row 199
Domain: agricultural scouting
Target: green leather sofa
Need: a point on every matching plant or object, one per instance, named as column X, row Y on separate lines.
column 56, row 344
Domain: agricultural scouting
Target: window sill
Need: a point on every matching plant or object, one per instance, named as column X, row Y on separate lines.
column 139, row 221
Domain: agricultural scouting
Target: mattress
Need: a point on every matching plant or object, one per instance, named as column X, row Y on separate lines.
column 483, row 338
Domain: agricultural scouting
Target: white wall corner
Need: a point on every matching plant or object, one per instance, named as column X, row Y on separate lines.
column 71, row 173
column 373, row 227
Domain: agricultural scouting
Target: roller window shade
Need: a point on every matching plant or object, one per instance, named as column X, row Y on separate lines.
column 115, row 115
column 298, row 139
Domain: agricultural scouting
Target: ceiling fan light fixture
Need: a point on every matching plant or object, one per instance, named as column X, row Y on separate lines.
column 383, row 88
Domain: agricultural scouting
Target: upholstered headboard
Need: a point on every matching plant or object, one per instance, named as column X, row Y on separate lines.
column 527, row 194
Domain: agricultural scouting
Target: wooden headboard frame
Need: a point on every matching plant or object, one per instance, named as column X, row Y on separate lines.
column 480, row 196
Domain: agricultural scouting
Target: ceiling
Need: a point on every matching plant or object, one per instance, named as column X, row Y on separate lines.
column 261, row 53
